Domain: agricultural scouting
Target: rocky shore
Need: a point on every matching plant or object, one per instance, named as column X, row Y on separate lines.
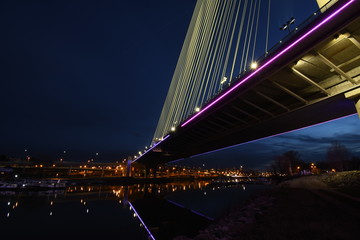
column 310, row 207
column 236, row 222
column 233, row 224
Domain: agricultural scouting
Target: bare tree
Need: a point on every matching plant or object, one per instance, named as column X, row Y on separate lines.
column 287, row 163
column 338, row 156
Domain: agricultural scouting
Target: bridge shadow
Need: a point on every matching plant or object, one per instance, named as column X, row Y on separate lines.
column 164, row 219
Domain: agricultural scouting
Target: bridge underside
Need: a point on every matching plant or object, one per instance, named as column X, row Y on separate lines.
column 307, row 86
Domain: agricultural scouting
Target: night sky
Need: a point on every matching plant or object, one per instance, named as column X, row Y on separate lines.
column 91, row 77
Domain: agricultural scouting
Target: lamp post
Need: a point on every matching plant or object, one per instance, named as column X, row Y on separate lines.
column 287, row 24
column 26, row 156
column 63, row 157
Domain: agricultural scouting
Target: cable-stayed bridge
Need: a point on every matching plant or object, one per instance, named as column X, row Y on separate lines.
column 310, row 77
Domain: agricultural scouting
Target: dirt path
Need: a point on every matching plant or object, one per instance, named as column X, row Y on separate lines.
column 306, row 208
column 308, row 182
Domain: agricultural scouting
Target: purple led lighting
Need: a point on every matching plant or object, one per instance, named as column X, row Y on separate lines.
column 268, row 62
column 275, row 135
column 142, row 222
column 177, row 160
column 177, row 204
column 152, row 147
column 197, row 213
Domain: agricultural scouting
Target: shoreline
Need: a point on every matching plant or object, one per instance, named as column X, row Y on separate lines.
column 306, row 207
column 70, row 181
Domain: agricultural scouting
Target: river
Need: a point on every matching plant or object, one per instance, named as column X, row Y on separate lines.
column 135, row 212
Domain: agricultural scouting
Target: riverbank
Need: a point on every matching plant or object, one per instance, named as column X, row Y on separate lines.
column 310, row 207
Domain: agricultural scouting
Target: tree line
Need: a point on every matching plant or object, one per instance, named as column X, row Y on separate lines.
column 337, row 159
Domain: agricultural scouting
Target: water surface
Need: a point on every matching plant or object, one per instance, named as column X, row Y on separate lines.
column 104, row 212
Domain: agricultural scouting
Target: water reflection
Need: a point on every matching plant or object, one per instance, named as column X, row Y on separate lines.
column 109, row 209
column 142, row 224
column 137, row 191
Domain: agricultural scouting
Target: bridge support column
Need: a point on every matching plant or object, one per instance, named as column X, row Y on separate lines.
column 128, row 168
column 126, row 197
column 355, row 96
column 147, row 171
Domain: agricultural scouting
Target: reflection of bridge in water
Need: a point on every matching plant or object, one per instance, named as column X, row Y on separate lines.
column 310, row 77
column 166, row 220
column 162, row 219
column 154, row 206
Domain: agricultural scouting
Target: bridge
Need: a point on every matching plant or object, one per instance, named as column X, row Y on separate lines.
column 310, row 77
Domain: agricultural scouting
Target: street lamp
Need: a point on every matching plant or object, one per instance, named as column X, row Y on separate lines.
column 63, row 157
column 253, row 65
column 287, row 24
column 223, row 80
column 26, row 155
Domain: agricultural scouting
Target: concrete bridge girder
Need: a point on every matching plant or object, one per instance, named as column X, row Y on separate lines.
column 289, row 92
column 272, row 100
column 235, row 118
column 336, row 68
column 307, row 79
column 337, row 84
column 246, row 113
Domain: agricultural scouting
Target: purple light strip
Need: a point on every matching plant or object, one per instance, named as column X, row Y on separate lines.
column 152, row 147
column 268, row 62
column 142, row 222
column 275, row 135
column 177, row 160
column 197, row 213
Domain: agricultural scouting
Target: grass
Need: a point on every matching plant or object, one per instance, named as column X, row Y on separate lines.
column 346, row 182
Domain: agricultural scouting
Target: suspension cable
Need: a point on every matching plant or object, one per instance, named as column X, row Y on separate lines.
column 267, row 29
column 211, row 50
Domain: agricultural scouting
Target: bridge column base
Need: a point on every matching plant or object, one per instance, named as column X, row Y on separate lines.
column 128, row 167
column 355, row 96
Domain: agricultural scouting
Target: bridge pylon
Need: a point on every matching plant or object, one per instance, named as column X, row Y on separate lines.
column 128, row 167
column 355, row 96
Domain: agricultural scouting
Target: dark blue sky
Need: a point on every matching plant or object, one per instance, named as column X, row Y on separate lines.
column 92, row 76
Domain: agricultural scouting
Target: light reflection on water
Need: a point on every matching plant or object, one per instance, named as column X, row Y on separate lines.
column 102, row 211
